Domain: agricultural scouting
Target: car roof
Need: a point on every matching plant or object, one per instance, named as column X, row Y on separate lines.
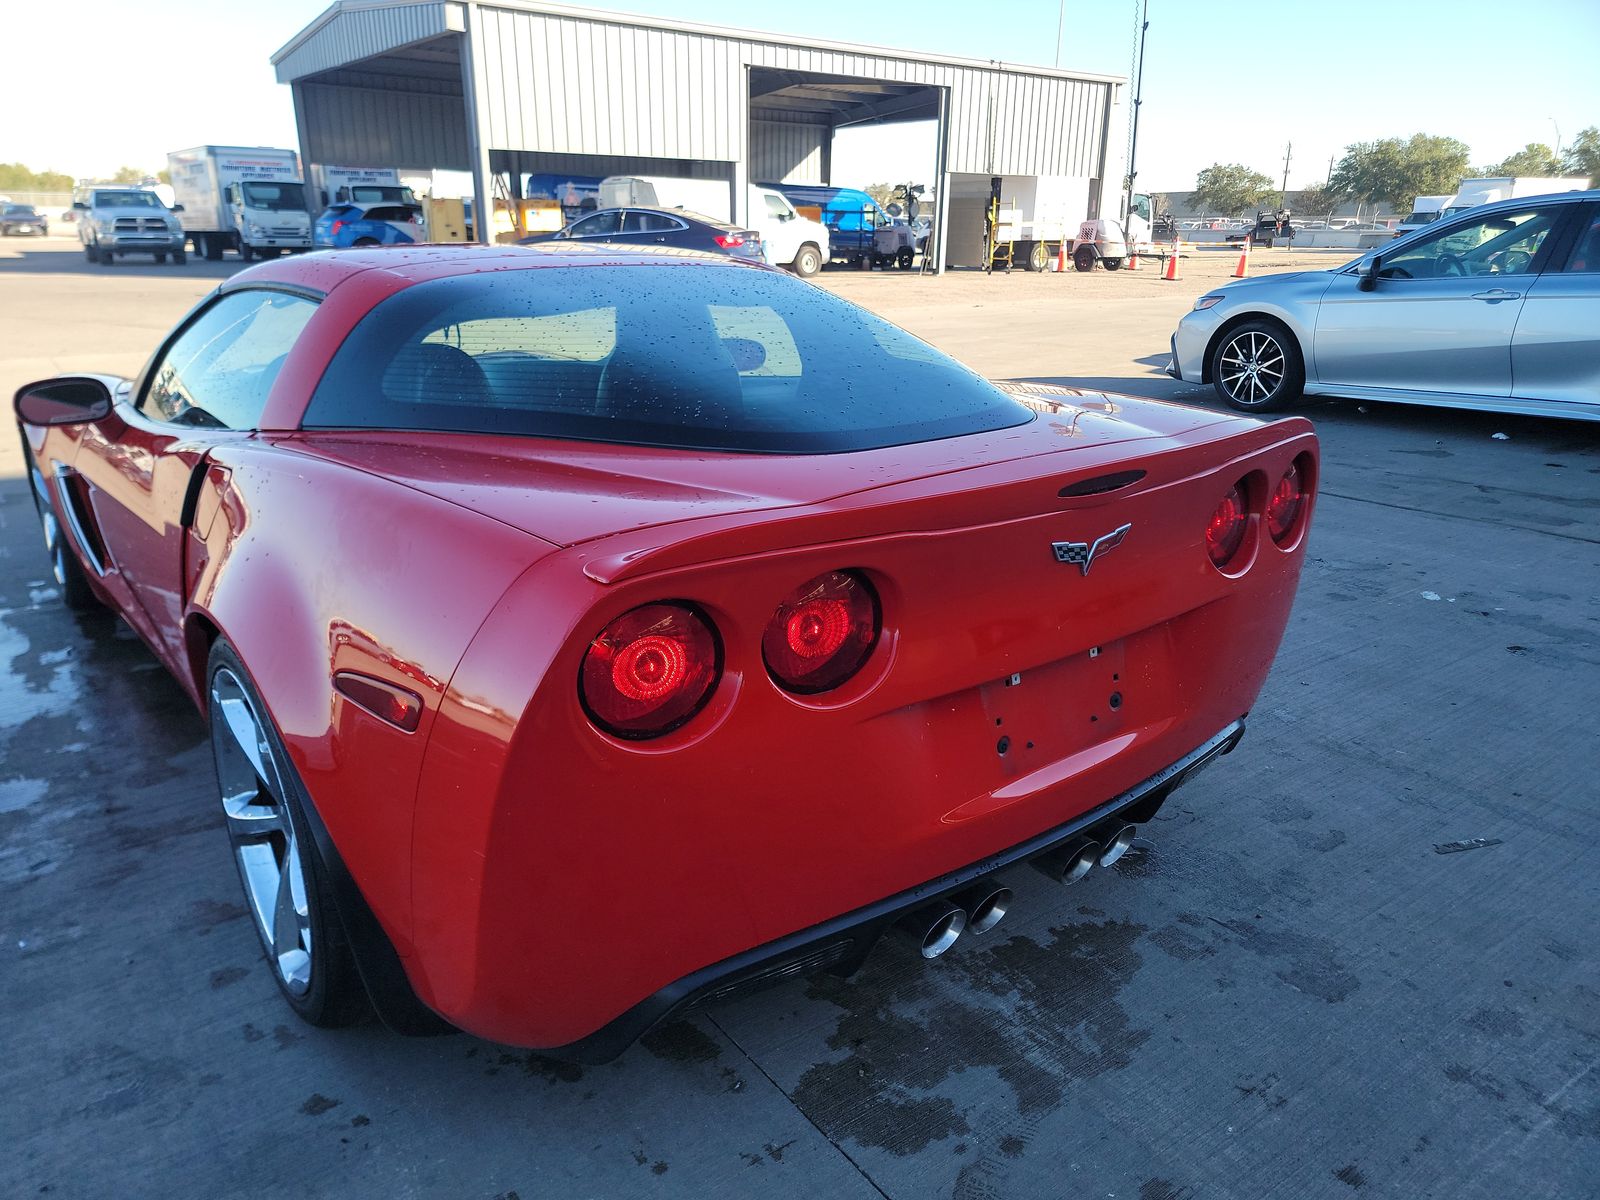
column 686, row 214
column 323, row 271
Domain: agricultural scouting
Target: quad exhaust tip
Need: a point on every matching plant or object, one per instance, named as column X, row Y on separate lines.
column 1071, row 862
column 985, row 904
column 934, row 927
column 1115, row 844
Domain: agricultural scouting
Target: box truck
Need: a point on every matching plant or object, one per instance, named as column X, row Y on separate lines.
column 245, row 198
column 1486, row 189
column 357, row 185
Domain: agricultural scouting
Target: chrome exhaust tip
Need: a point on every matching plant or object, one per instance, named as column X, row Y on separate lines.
column 1115, row 844
column 985, row 904
column 1071, row 862
column 934, row 927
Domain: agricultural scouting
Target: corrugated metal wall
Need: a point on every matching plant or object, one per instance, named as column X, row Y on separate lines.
column 351, row 35
column 402, row 129
column 563, row 84
column 786, row 151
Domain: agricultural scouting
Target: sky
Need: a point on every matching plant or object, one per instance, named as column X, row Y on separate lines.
column 1224, row 80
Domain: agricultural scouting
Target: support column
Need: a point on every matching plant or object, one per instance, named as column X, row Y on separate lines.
column 302, row 131
column 475, row 98
column 941, row 230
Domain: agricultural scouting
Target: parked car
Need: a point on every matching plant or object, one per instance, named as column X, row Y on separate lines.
column 1268, row 227
column 381, row 224
column 629, row 568
column 1497, row 308
column 22, row 218
column 858, row 227
column 658, row 227
column 117, row 221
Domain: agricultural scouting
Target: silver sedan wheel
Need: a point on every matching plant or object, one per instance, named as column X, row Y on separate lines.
column 265, row 844
column 1251, row 368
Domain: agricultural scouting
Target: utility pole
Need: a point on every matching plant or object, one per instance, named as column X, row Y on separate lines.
column 1283, row 192
column 1061, row 20
column 1138, row 99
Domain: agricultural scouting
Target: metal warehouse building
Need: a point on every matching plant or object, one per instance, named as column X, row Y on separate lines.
column 514, row 87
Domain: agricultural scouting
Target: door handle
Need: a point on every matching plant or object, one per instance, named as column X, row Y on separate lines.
column 1496, row 294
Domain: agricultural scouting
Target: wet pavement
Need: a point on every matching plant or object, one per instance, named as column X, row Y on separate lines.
column 1355, row 958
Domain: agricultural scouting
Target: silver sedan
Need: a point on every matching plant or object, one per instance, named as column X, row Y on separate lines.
column 1497, row 308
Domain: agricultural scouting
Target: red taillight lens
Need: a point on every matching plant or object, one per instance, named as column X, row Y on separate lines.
column 1283, row 509
column 650, row 670
column 338, row 225
column 729, row 240
column 1225, row 530
column 822, row 632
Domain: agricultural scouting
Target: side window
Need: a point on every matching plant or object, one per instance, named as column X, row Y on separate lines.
column 1585, row 258
column 219, row 370
column 601, row 224
column 1505, row 243
column 776, row 206
column 649, row 222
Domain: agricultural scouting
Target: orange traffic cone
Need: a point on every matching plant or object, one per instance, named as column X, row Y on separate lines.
column 1061, row 258
column 1133, row 258
column 1171, row 273
column 1243, row 268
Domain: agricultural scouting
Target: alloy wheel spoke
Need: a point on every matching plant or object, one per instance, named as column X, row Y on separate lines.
column 241, row 724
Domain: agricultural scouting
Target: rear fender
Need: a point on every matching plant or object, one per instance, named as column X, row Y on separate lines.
column 308, row 568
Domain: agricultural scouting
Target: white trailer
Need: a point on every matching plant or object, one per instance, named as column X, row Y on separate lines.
column 1035, row 217
column 357, row 185
column 245, row 198
column 1486, row 189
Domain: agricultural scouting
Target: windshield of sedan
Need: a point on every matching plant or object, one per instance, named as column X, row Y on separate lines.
column 20, row 210
column 689, row 355
column 127, row 200
column 275, row 197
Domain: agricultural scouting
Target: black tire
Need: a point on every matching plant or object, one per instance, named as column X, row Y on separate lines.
column 1084, row 258
column 1257, row 367
column 212, row 247
column 161, row 256
column 90, row 254
column 270, row 252
column 807, row 262
column 246, row 252
column 76, row 593
column 905, row 258
column 332, row 994
column 179, row 257
column 1038, row 256
column 108, row 258
column 1112, row 264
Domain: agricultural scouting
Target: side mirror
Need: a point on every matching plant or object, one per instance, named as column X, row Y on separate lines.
column 79, row 206
column 1369, row 276
column 177, row 208
column 70, row 400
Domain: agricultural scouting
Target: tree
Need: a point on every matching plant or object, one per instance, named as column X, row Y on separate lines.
column 1318, row 200
column 14, row 177
column 1533, row 159
column 129, row 175
column 881, row 192
column 1230, row 189
column 1397, row 172
column 1583, row 156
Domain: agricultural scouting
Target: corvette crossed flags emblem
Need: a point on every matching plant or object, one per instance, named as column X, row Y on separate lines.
column 1084, row 553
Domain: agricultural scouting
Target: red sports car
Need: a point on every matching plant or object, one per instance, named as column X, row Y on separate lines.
column 589, row 632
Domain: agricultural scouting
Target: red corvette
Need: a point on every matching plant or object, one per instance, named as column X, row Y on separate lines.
column 589, row 632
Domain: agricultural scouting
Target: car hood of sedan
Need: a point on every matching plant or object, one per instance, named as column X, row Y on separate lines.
column 568, row 492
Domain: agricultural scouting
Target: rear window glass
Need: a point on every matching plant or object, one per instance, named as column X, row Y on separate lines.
column 689, row 355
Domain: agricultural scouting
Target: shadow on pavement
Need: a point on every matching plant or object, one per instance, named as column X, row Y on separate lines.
column 68, row 259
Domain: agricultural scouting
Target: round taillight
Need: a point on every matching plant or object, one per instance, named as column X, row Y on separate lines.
column 1283, row 508
column 1225, row 530
column 822, row 632
column 650, row 670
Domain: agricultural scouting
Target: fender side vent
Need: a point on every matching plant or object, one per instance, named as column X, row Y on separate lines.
column 1101, row 484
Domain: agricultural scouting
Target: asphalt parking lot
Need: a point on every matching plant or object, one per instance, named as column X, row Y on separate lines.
column 1355, row 958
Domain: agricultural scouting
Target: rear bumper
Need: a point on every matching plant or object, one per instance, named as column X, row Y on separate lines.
column 842, row 943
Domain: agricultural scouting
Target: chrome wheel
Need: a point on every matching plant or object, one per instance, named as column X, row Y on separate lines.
column 266, row 846
column 1251, row 368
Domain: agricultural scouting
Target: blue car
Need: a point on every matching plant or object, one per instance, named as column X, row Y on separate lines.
column 382, row 224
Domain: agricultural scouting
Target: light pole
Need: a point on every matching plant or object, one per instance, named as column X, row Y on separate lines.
column 1138, row 99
